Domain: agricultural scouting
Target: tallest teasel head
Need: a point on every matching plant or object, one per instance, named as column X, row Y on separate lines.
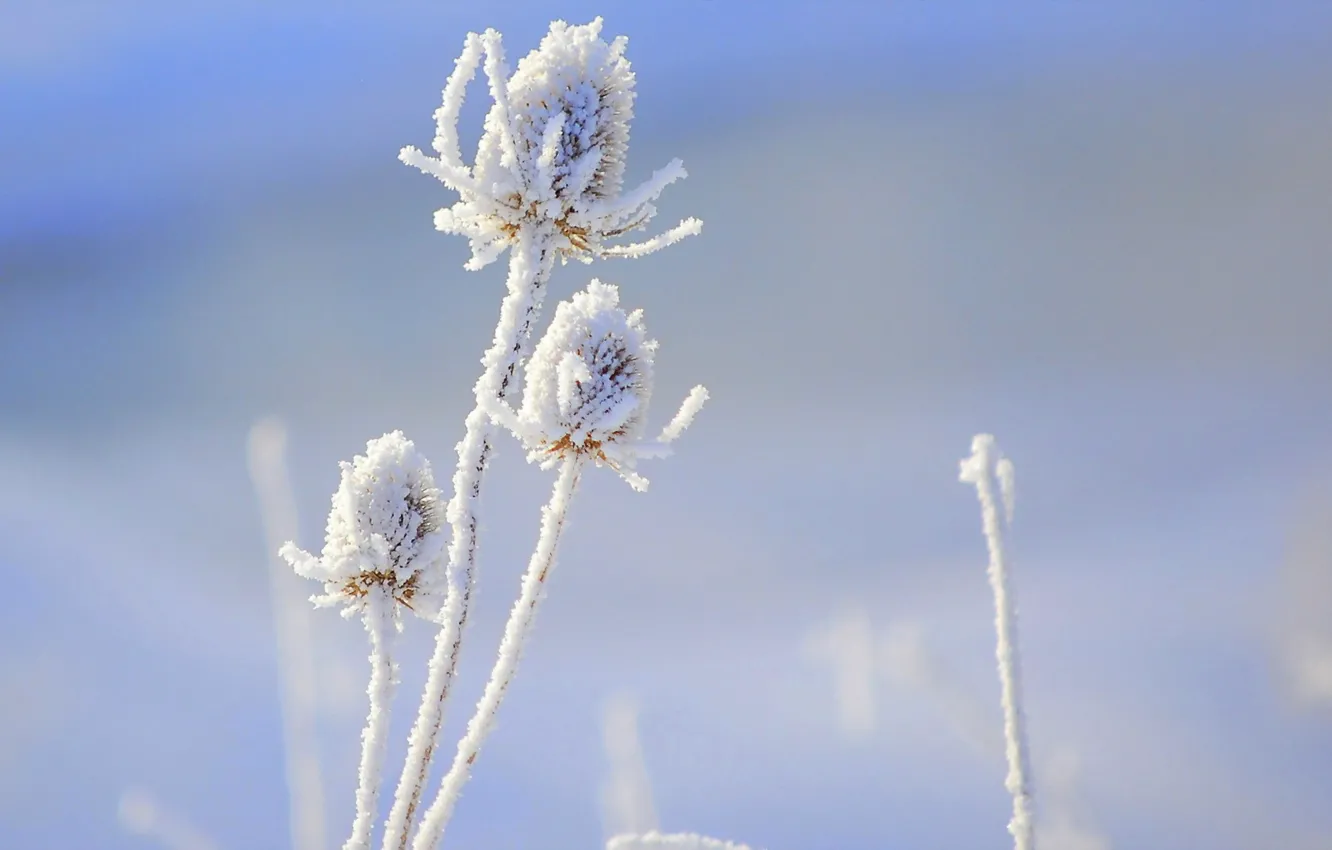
column 552, row 154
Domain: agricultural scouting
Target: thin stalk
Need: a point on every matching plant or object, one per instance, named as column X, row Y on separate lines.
column 530, row 264
column 516, row 631
column 627, row 795
column 374, row 738
column 298, row 697
column 979, row 469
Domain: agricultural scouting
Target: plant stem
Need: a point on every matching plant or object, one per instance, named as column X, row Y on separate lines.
column 516, row 631
column 374, row 738
column 530, row 263
column 291, row 620
column 979, row 470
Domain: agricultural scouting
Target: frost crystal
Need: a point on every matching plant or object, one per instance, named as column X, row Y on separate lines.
column 383, row 534
column 587, row 388
column 553, row 151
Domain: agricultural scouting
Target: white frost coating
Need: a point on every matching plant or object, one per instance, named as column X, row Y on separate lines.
column 516, row 631
column 383, row 547
column 980, row 469
column 382, row 626
column 529, row 268
column 553, row 151
column 1065, row 822
column 684, row 417
column 297, row 691
column 446, row 116
column 383, row 532
column 590, row 376
column 554, row 145
column 1003, row 470
column 587, row 388
column 626, row 796
column 671, row 841
column 688, row 227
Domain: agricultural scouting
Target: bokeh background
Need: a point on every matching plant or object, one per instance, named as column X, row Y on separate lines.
column 1102, row 231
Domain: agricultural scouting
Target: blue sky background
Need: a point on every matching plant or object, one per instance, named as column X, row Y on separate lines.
column 1100, row 231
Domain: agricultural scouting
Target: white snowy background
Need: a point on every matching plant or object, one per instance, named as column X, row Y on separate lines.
column 1101, row 231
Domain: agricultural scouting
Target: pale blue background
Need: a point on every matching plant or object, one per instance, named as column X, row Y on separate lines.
column 1100, row 230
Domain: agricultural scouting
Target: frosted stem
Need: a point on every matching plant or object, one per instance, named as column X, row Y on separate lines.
column 497, row 72
column 529, row 268
column 980, row 470
column 453, row 176
column 451, row 101
column 629, row 204
column 374, row 738
column 688, row 227
column 516, row 631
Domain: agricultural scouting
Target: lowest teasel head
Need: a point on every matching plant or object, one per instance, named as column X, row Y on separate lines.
column 384, row 537
column 588, row 385
column 553, row 152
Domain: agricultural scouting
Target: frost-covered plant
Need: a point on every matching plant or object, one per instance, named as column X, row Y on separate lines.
column 383, row 551
column 384, row 544
column 552, row 155
column 547, row 183
column 983, row 468
column 585, row 398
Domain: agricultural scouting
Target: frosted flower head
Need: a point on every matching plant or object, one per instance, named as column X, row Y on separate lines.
column 553, row 152
column 572, row 99
column 384, row 535
column 590, row 377
column 587, row 388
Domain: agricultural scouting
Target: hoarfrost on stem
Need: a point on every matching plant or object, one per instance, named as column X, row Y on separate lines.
column 547, row 182
column 585, row 399
column 554, row 517
column 586, row 396
column 529, row 267
column 981, row 469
